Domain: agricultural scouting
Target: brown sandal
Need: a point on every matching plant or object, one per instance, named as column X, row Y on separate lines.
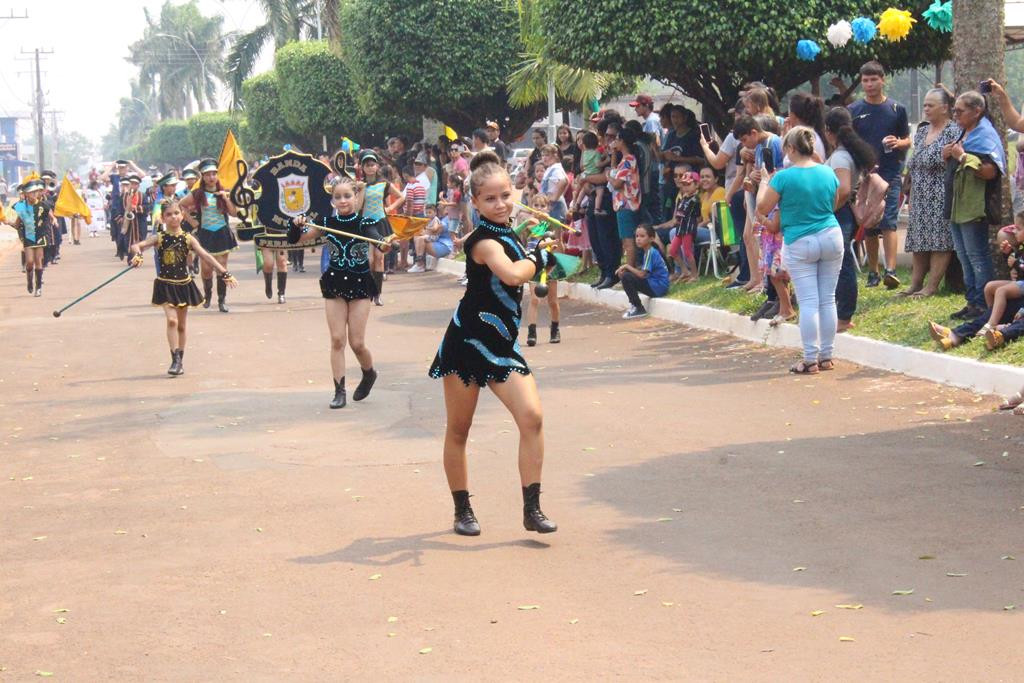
column 826, row 364
column 804, row 368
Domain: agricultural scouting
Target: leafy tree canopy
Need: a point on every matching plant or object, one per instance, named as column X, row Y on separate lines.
column 709, row 49
column 167, row 143
column 206, row 132
column 444, row 59
column 265, row 130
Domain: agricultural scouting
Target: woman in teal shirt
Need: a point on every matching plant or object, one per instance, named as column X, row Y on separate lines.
column 805, row 193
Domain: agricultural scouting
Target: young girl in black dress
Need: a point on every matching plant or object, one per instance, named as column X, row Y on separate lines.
column 174, row 288
column 347, row 285
column 480, row 347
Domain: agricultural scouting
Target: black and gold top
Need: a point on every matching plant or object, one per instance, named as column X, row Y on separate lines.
column 172, row 255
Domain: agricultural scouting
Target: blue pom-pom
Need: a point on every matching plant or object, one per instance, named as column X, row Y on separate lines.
column 863, row 30
column 807, row 50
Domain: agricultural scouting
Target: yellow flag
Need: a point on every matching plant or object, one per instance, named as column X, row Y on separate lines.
column 70, row 203
column 450, row 134
column 227, row 167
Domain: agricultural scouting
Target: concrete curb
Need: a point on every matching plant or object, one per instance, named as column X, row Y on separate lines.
column 968, row 373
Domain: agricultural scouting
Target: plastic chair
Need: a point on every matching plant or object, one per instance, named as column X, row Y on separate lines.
column 710, row 255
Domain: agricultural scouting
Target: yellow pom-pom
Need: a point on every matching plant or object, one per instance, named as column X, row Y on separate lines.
column 895, row 24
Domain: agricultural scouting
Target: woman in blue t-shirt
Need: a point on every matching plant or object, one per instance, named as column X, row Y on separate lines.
column 651, row 278
column 805, row 193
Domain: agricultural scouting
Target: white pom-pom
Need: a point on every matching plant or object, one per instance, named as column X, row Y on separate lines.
column 839, row 33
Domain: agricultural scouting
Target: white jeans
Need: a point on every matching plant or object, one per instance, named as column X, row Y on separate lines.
column 813, row 263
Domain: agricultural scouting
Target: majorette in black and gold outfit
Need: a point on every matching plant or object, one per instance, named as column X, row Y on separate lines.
column 481, row 343
column 348, row 274
column 174, row 286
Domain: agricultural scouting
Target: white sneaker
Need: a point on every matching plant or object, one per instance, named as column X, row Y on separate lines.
column 635, row 312
column 417, row 269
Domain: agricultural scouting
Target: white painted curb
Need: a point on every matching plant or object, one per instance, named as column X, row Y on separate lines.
column 984, row 378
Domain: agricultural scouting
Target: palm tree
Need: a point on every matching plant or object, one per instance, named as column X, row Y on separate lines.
column 286, row 21
column 181, row 53
column 528, row 82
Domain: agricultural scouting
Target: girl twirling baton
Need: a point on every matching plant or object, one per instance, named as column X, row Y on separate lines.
column 480, row 348
column 347, row 285
column 173, row 288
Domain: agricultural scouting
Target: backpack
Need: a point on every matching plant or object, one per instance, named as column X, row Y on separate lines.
column 869, row 206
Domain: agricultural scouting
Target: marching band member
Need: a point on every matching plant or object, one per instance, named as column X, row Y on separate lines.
column 380, row 197
column 174, row 288
column 33, row 220
column 347, row 285
column 480, row 347
column 211, row 203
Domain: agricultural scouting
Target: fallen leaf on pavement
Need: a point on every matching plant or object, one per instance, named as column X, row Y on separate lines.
column 799, row 569
column 857, row 606
column 374, row 577
column 846, row 639
column 392, row 620
column 426, row 650
column 640, row 592
column 527, row 607
column 817, row 612
column 664, row 519
column 908, row 591
column 926, row 557
column 574, row 621
column 955, row 574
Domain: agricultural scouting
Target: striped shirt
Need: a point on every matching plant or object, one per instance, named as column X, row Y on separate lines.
column 415, row 199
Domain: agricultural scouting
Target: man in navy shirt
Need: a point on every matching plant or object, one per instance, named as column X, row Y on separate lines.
column 884, row 125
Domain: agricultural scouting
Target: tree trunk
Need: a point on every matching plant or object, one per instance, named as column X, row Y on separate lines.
column 188, row 106
column 978, row 54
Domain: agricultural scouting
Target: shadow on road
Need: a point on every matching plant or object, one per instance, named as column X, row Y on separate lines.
column 853, row 514
column 394, row 550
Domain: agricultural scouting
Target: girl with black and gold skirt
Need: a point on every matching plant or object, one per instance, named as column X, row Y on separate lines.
column 348, row 284
column 480, row 347
column 174, row 288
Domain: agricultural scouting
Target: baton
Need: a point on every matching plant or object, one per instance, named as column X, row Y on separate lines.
column 349, row 234
column 538, row 212
column 56, row 314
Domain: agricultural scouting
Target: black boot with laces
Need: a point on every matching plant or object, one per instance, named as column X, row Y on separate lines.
column 339, row 400
column 533, row 518
column 465, row 520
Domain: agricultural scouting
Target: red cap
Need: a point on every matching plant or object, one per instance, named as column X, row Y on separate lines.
column 691, row 177
column 642, row 99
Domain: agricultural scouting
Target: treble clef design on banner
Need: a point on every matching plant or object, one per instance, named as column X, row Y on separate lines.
column 244, row 198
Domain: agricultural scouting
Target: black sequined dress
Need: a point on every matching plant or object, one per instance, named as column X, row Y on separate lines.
column 481, row 343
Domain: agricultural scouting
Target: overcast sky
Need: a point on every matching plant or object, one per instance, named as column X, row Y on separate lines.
column 87, row 73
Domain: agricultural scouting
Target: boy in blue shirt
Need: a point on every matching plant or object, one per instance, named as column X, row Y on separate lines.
column 884, row 125
column 651, row 278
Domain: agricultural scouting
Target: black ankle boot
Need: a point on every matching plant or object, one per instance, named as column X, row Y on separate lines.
column 282, row 281
column 465, row 520
column 181, row 362
column 339, row 400
column 531, row 335
column 533, row 518
column 222, row 293
column 29, row 281
column 268, row 284
column 39, row 281
column 207, row 291
column 176, row 368
column 365, row 384
column 556, row 336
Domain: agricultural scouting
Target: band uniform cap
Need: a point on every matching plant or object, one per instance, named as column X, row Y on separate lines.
column 120, row 162
column 34, row 184
column 368, row 155
column 189, row 173
column 48, row 174
column 168, row 179
column 132, row 178
column 207, row 165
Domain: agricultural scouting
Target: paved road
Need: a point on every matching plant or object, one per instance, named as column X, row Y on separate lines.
column 225, row 525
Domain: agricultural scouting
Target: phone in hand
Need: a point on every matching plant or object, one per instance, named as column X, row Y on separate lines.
column 705, row 132
column 768, row 159
column 985, row 87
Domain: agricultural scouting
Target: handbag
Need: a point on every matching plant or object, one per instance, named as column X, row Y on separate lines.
column 869, row 206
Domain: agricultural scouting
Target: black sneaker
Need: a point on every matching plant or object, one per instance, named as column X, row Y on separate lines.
column 762, row 312
column 962, row 314
column 890, row 279
column 874, row 279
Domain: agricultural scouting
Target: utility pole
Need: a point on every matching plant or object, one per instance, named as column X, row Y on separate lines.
column 56, row 140
column 39, row 105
